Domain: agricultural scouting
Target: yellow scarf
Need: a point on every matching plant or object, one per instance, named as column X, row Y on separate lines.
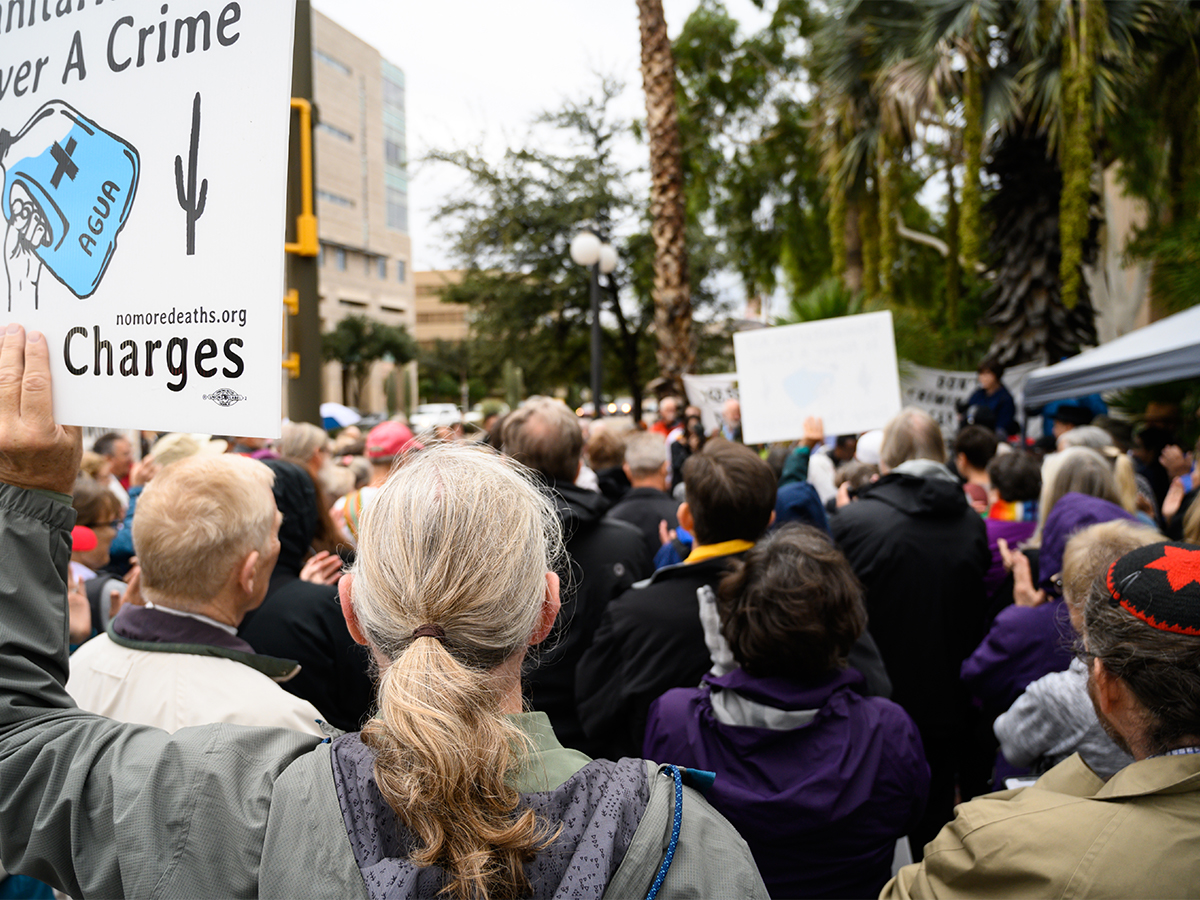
column 708, row 551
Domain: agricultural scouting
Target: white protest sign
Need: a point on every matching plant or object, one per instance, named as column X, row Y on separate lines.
column 708, row 393
column 843, row 370
column 143, row 158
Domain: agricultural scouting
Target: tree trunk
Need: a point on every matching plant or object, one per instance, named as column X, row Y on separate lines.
column 668, row 213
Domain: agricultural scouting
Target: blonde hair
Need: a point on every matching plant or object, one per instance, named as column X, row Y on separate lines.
column 1191, row 524
column 1079, row 470
column 458, row 537
column 91, row 464
column 1090, row 552
column 300, row 440
column 911, row 434
column 196, row 521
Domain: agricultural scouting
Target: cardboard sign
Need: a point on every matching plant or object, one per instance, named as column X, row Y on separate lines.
column 143, row 170
column 842, row 370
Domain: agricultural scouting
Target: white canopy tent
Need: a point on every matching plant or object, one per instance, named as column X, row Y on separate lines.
column 1167, row 350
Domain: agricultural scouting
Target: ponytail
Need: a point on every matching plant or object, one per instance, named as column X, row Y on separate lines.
column 449, row 586
column 443, row 757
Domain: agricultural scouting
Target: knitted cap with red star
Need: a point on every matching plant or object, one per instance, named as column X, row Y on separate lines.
column 1160, row 584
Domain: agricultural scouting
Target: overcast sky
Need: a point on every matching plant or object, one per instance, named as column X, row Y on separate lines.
column 478, row 72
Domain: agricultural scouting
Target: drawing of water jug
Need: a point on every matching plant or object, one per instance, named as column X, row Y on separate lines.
column 80, row 180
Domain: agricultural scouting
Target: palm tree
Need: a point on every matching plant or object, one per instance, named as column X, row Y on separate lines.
column 668, row 212
column 1047, row 75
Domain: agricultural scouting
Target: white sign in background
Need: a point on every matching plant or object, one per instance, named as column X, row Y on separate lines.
column 143, row 153
column 939, row 391
column 842, row 370
column 709, row 393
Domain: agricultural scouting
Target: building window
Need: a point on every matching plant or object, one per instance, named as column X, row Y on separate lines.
column 397, row 210
column 339, row 259
column 392, row 309
column 336, row 132
column 382, row 268
column 393, row 94
column 321, row 256
column 356, row 304
column 335, row 199
column 393, row 153
column 400, row 267
column 331, row 62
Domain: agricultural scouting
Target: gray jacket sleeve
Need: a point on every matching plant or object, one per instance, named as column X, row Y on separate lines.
column 711, row 859
column 99, row 808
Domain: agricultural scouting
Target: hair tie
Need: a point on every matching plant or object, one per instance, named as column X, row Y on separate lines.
column 433, row 631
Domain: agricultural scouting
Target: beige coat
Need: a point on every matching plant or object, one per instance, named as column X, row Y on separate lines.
column 1071, row 835
column 178, row 690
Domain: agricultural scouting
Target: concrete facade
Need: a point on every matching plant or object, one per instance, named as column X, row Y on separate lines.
column 361, row 193
column 438, row 321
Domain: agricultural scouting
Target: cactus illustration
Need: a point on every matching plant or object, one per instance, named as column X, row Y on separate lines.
column 191, row 204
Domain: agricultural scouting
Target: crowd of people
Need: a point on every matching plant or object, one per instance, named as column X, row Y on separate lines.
column 570, row 658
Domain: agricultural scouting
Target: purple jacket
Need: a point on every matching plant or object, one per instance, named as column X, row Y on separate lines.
column 1014, row 533
column 1026, row 643
column 820, row 804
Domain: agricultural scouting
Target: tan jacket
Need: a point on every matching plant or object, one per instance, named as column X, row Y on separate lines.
column 1071, row 835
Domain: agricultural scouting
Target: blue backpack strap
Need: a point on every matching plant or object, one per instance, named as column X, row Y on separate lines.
column 670, row 854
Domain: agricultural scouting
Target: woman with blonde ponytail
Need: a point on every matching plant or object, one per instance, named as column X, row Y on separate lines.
column 453, row 789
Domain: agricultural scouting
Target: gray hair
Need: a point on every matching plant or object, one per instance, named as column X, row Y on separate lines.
column 1161, row 668
column 300, row 440
column 912, row 434
column 645, row 453
column 462, row 538
column 1085, row 436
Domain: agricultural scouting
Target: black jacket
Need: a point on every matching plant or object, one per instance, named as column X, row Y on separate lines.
column 650, row 641
column 606, row 556
column 303, row 621
column 644, row 508
column 921, row 553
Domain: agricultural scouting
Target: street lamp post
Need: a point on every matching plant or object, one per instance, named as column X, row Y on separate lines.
column 588, row 250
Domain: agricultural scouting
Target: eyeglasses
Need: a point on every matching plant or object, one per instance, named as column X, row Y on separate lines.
column 1057, row 582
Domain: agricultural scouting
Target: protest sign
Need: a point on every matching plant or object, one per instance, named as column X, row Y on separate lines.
column 143, row 159
column 843, row 370
column 940, row 392
column 708, row 393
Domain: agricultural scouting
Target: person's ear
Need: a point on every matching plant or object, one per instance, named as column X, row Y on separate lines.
column 771, row 521
column 686, row 522
column 628, row 471
column 1107, row 688
column 247, row 573
column 345, row 586
column 551, row 604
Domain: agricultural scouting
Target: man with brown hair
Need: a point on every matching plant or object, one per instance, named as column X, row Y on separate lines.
column 1073, row 833
column 651, row 638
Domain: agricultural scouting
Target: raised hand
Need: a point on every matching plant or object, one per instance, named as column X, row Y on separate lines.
column 35, row 452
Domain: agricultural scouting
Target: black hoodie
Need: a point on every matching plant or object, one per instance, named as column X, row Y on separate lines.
column 606, row 557
column 303, row 621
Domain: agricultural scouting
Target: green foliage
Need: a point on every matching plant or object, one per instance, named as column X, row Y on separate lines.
column 828, row 300
column 357, row 343
column 753, row 171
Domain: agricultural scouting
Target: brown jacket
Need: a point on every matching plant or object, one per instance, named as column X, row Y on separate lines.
column 1071, row 835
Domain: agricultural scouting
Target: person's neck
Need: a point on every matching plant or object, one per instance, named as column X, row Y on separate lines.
column 977, row 476
column 221, row 608
column 657, row 484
